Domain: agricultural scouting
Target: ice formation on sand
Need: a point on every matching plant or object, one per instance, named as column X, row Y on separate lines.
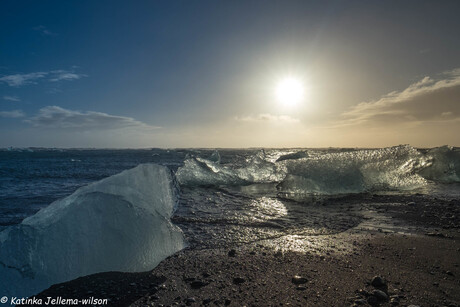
column 121, row 223
column 446, row 165
column 331, row 173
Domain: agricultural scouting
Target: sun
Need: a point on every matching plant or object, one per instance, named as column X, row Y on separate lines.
column 289, row 91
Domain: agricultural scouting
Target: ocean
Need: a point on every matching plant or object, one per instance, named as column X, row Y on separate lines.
column 200, row 198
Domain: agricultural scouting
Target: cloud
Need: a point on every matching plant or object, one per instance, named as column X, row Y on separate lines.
column 265, row 117
column 44, row 31
column 12, row 114
column 22, row 79
column 17, row 80
column 11, row 98
column 57, row 117
column 59, row 75
column 445, row 114
column 428, row 100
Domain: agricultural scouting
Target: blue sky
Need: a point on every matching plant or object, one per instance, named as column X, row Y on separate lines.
column 203, row 73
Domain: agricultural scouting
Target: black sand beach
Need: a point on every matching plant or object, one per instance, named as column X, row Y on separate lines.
column 411, row 242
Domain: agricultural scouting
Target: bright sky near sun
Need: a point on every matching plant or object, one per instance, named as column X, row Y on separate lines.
column 289, row 91
column 229, row 73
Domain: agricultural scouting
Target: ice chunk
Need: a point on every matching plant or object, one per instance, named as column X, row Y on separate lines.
column 446, row 165
column 215, row 157
column 199, row 171
column 394, row 168
column 121, row 223
column 293, row 156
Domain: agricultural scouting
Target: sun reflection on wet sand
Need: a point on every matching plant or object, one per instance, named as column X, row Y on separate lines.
column 267, row 208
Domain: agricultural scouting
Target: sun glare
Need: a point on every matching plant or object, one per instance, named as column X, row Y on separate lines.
column 289, row 91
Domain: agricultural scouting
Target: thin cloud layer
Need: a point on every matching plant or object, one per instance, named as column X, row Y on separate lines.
column 59, row 75
column 17, row 80
column 429, row 100
column 44, row 31
column 266, row 117
column 22, row 79
column 57, row 117
column 12, row 114
column 11, row 98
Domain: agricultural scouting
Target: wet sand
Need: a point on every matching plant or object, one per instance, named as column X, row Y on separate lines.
column 411, row 242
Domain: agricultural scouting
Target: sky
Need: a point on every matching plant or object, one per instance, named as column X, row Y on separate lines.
column 141, row 74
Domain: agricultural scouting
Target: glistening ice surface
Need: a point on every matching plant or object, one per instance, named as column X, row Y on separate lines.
column 121, row 223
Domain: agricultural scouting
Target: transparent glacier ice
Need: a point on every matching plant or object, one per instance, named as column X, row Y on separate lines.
column 446, row 165
column 121, row 223
column 393, row 168
column 203, row 172
column 293, row 155
column 329, row 173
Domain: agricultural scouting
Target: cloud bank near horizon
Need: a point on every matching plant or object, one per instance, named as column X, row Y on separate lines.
column 430, row 100
column 267, row 118
column 12, row 114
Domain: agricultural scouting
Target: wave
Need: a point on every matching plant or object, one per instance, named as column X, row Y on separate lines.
column 121, row 223
column 397, row 168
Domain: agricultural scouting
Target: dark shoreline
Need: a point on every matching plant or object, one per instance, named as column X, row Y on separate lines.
column 420, row 268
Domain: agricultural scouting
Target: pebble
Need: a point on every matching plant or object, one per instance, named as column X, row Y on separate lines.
column 394, row 301
column 197, row 284
column 238, row 280
column 436, row 234
column 360, row 301
column 232, row 253
column 190, row 300
column 301, row 288
column 372, row 300
column 362, row 292
column 380, row 295
column 206, row 301
column 299, row 280
column 378, row 281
